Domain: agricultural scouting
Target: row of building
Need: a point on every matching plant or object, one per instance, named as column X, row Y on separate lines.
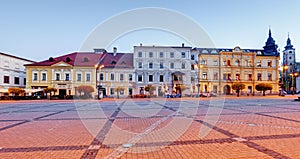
column 165, row 68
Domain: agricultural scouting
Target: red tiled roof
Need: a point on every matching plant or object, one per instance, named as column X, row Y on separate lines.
column 85, row 59
column 120, row 60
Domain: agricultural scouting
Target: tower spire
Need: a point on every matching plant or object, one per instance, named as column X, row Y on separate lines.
column 270, row 34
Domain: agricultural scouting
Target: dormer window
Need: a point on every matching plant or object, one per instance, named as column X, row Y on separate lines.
column 68, row 59
column 123, row 63
column 85, row 59
column 113, row 62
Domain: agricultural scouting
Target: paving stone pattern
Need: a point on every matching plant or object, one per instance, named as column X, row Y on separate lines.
column 246, row 128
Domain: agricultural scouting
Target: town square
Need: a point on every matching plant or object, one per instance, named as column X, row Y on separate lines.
column 154, row 79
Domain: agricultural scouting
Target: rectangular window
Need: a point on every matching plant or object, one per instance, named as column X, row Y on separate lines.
column 269, row 77
column 250, row 77
column 193, row 67
column 258, row 64
column 259, row 77
column 121, row 77
column 183, row 55
column 140, row 78
column 203, row 62
column 44, row 77
column 161, row 65
column 225, row 76
column 183, row 65
column 67, row 75
column 88, row 77
column 192, row 57
column 237, row 77
column 216, row 77
column 17, row 80
column 57, row 76
column 6, row 79
column 171, row 65
column 228, row 63
column 140, row 65
column 140, row 54
column 215, row 63
column 112, row 91
column 24, row 81
column 229, row 77
column 130, row 77
column 78, row 76
column 171, row 54
column 161, row 54
column 204, row 75
column 150, row 54
column 112, row 76
column 150, row 65
column 101, row 76
column 35, row 76
column 150, row 78
column 161, row 78
column 269, row 63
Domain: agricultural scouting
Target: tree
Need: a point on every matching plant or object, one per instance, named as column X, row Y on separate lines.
column 119, row 89
column 50, row 90
column 85, row 90
column 263, row 87
column 238, row 87
column 16, row 91
column 150, row 88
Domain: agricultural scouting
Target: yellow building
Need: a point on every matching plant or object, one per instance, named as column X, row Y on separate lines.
column 65, row 73
column 221, row 68
column 117, row 72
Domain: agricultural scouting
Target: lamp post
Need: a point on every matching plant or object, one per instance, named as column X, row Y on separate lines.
column 198, row 77
column 284, row 74
column 293, row 78
column 97, row 66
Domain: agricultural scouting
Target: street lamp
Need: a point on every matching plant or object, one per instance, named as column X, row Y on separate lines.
column 293, row 78
column 198, row 77
column 284, row 74
column 97, row 66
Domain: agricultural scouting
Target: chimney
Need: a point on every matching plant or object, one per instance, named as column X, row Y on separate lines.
column 182, row 44
column 115, row 51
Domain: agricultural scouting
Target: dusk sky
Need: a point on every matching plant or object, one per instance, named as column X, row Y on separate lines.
column 37, row 29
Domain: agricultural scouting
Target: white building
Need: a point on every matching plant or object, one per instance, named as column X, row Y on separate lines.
column 12, row 71
column 164, row 67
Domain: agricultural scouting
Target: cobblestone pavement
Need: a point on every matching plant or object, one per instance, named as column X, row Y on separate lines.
column 246, row 127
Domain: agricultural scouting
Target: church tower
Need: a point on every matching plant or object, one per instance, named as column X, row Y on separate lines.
column 270, row 49
column 289, row 56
